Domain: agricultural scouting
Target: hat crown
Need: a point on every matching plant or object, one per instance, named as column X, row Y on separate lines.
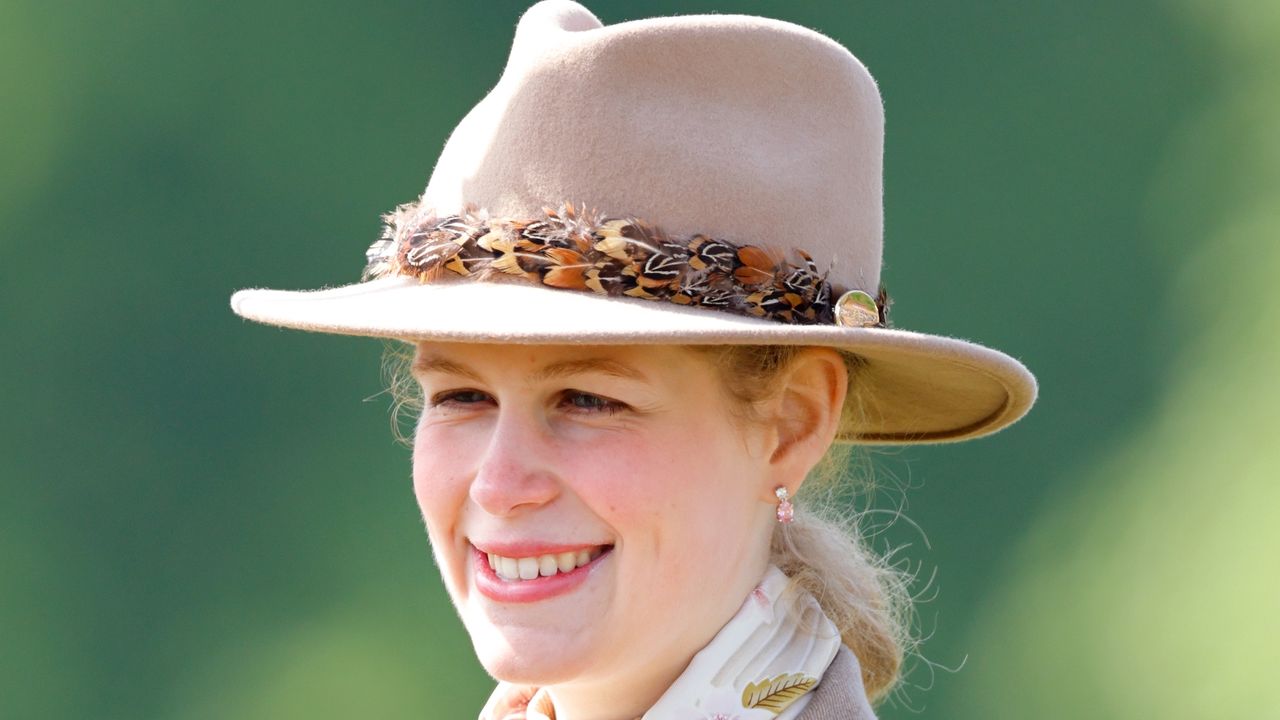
column 746, row 129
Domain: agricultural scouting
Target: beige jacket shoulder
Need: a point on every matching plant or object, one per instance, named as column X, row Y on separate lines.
column 840, row 695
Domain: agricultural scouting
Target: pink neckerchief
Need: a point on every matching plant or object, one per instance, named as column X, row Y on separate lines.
column 760, row 666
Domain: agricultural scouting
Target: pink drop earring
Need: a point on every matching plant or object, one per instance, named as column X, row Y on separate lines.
column 786, row 511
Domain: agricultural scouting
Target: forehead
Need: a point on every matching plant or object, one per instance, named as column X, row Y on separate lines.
column 645, row 363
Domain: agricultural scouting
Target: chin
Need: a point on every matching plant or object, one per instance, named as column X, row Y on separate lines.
column 530, row 656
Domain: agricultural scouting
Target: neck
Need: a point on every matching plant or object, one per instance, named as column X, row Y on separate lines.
column 615, row 698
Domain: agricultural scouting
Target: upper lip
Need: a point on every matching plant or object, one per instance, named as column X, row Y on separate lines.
column 530, row 548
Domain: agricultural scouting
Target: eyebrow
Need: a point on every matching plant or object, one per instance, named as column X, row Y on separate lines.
column 565, row 368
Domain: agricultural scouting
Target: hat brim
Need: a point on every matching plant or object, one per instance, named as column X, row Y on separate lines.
column 914, row 387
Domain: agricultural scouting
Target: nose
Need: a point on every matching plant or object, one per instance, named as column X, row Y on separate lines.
column 515, row 474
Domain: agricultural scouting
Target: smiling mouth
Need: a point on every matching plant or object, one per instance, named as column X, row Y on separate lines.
column 533, row 567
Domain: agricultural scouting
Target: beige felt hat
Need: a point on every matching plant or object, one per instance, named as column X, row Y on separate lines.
column 708, row 179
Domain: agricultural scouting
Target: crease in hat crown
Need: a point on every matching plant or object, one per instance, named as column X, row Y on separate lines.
column 752, row 130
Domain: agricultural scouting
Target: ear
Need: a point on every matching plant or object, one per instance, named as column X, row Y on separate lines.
column 806, row 416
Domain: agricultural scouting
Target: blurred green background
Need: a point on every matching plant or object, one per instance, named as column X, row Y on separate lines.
column 206, row 518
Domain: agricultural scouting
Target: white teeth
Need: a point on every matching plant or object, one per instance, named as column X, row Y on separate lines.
column 566, row 561
column 529, row 568
column 547, row 565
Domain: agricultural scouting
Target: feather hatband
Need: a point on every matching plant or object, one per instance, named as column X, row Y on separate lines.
column 575, row 249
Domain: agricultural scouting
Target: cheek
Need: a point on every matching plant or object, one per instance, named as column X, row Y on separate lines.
column 439, row 480
column 683, row 492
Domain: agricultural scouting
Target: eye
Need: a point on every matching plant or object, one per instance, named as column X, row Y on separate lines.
column 581, row 402
column 459, row 398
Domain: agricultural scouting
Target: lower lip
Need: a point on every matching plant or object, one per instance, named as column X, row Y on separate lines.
column 528, row 591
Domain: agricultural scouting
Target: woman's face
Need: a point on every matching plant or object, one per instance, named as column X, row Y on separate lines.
column 596, row 512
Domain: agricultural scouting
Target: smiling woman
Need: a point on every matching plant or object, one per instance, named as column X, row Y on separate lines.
column 654, row 475
column 633, row 469
column 621, row 395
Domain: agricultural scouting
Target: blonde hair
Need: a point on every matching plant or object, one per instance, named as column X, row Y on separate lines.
column 824, row 551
